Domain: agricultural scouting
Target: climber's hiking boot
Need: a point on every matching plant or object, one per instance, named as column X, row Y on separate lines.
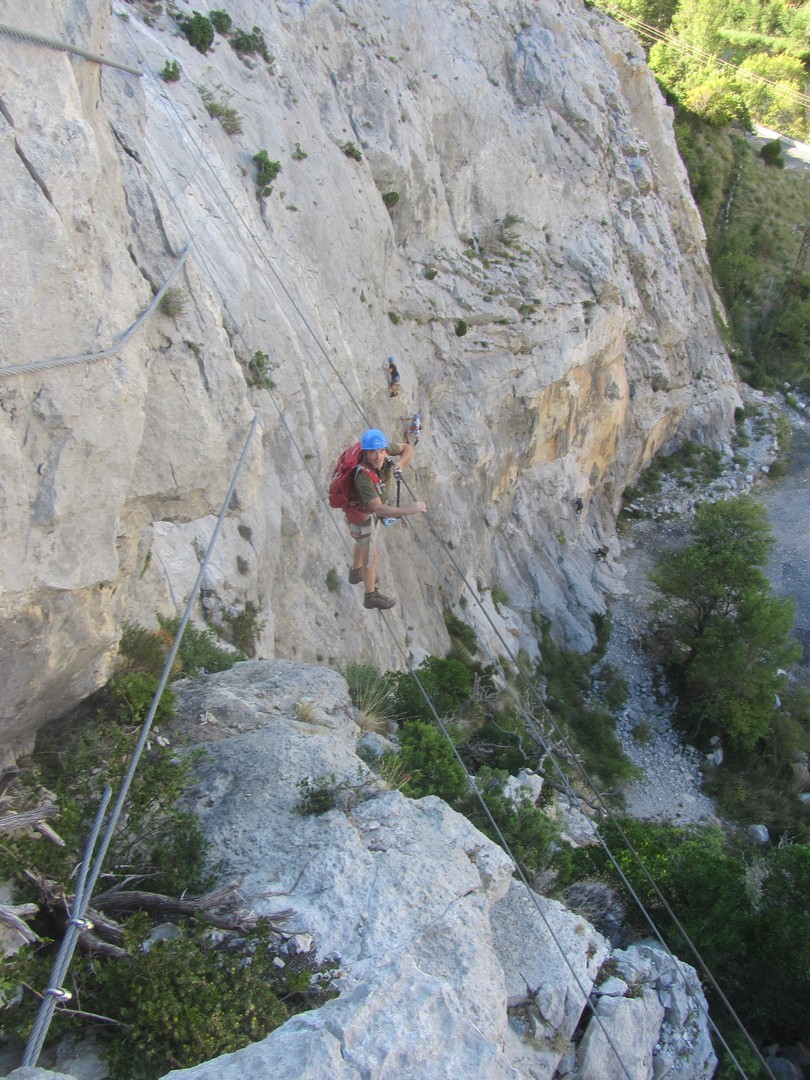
column 355, row 575
column 377, row 600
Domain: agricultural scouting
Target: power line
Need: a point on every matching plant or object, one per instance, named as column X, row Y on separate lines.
column 679, row 45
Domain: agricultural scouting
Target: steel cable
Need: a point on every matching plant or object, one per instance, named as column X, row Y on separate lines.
column 69, row 361
column 64, row 46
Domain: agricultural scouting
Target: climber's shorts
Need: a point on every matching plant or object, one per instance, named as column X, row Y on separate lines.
column 362, row 533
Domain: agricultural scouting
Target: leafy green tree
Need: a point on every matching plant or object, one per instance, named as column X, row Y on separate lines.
column 779, row 938
column 430, row 763
column 726, row 636
column 780, row 104
column 446, row 683
column 718, row 100
column 750, row 918
column 773, row 154
column 737, row 270
column 656, row 13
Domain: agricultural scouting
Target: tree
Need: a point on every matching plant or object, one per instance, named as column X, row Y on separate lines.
column 446, row 683
column 777, row 101
column 748, row 916
column 772, row 153
column 779, row 938
column 726, row 637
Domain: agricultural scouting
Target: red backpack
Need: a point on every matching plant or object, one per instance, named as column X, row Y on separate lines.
column 341, row 486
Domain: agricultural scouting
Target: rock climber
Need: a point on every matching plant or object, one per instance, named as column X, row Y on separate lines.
column 372, row 481
column 393, row 377
column 414, row 430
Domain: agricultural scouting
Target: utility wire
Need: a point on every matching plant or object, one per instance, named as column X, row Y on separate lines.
column 684, row 47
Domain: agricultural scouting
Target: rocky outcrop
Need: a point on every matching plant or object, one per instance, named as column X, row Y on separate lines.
column 540, row 277
column 447, row 965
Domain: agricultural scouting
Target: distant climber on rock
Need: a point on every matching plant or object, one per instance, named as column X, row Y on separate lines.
column 414, row 430
column 393, row 377
column 360, row 486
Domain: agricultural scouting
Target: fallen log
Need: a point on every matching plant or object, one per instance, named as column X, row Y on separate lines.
column 12, row 917
column 32, row 819
column 124, row 901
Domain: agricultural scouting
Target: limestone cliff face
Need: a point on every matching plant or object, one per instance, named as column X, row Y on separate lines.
column 541, row 205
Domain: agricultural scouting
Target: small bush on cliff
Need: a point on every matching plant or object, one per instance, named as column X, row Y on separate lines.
column 249, row 44
column 221, row 21
column 170, row 72
column 198, row 32
column 428, row 759
column 266, row 173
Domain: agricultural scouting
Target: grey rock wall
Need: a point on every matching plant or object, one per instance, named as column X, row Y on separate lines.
column 447, row 965
column 541, row 203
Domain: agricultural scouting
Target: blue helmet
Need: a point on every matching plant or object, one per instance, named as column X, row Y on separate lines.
column 373, row 440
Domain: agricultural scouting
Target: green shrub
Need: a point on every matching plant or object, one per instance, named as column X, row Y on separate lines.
column 266, row 172
column 391, row 198
column 461, row 328
column 228, row 117
column 446, row 682
column 352, row 151
column 332, row 580
column 319, row 794
column 772, row 153
column 529, row 832
column 200, row 652
column 183, row 1002
column 258, row 371
column 249, row 44
column 132, row 695
column 430, row 763
column 461, row 633
column 499, row 596
column 221, row 21
column 245, row 627
column 174, row 301
column 170, row 72
column 198, row 32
